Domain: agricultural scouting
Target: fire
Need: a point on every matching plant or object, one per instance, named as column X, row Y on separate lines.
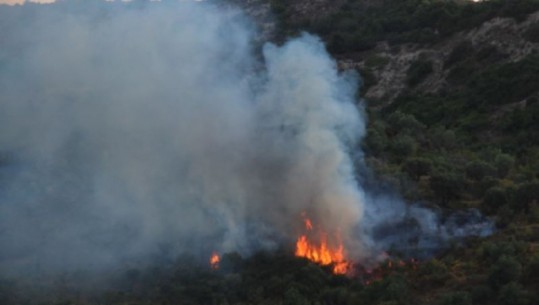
column 322, row 252
column 214, row 260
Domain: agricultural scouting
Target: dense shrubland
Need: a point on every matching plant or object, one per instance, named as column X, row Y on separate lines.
column 495, row 271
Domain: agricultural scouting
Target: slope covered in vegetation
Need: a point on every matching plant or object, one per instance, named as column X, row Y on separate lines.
column 453, row 111
column 459, row 128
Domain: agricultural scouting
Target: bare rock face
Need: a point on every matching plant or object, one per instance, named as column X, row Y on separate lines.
column 504, row 36
column 314, row 9
column 261, row 12
column 388, row 65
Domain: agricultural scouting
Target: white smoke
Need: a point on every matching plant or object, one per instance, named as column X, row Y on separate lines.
column 129, row 129
column 137, row 128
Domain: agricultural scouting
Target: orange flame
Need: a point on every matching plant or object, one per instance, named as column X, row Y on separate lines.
column 214, row 260
column 322, row 253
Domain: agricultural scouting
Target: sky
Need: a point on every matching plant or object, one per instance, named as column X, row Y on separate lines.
column 14, row 2
column 20, row 2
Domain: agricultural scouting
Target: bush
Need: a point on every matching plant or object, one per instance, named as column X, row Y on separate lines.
column 482, row 294
column 397, row 289
column 508, row 83
column 459, row 53
column 504, row 163
column 446, row 187
column 403, row 146
column 404, row 123
column 531, row 272
column 434, row 272
column 293, row 297
column 495, row 198
column 477, row 170
column 461, row 73
column 525, row 195
column 513, row 294
column 418, row 71
column 490, row 54
column 443, row 139
column 376, row 61
column 456, row 298
column 505, row 270
column 532, row 34
column 494, row 251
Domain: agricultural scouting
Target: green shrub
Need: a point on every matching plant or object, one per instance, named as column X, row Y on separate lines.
column 513, row 294
column 494, row 198
column 456, row 298
column 404, row 123
column 403, row 146
column 525, row 195
column 478, row 169
column 504, row 163
column 417, row 167
column 482, row 294
column 505, row 270
column 397, row 289
column 293, row 297
column 376, row 61
column 434, row 272
column 531, row 272
column 446, row 187
column 460, row 52
column 418, row 71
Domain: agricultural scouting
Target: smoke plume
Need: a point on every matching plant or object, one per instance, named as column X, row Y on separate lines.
column 154, row 126
column 129, row 129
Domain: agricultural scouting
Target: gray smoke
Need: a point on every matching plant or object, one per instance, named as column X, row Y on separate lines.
column 415, row 231
column 160, row 126
column 125, row 130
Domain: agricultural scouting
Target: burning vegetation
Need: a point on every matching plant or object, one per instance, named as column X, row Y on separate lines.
column 214, row 260
column 315, row 246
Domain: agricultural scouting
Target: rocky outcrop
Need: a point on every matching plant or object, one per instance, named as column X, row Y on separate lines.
column 505, row 36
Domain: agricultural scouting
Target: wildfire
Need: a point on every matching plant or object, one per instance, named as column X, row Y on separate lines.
column 214, row 260
column 322, row 252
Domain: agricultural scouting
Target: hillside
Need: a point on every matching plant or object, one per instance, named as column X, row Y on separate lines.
column 451, row 95
column 451, row 88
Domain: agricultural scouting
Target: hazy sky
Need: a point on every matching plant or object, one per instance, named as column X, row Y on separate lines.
column 13, row 2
